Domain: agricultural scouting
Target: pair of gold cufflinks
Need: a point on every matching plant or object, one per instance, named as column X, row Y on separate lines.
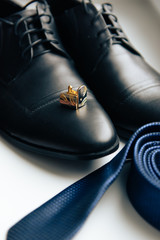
column 74, row 99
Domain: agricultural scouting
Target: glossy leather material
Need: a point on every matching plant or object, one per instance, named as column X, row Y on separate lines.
column 126, row 86
column 31, row 80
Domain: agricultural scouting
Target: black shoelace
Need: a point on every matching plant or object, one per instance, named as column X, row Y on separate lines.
column 39, row 31
column 114, row 32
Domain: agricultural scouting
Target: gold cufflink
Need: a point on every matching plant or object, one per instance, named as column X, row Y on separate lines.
column 75, row 99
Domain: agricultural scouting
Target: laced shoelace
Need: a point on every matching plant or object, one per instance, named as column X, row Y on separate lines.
column 29, row 31
column 114, row 37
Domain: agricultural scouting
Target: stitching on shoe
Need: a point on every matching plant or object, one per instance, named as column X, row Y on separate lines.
column 44, row 105
column 44, row 100
column 52, row 101
column 136, row 92
column 53, row 97
column 125, row 93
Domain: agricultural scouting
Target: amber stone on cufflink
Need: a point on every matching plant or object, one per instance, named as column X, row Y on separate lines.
column 74, row 99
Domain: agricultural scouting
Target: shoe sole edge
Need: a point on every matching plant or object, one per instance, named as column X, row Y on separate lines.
column 56, row 153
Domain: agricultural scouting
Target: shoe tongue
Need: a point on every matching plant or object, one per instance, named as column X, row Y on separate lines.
column 26, row 12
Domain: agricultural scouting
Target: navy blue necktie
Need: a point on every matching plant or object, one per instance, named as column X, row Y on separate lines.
column 62, row 216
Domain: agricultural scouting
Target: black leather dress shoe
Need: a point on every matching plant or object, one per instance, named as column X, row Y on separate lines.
column 34, row 71
column 126, row 86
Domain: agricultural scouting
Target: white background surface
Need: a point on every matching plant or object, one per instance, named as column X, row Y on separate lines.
column 27, row 180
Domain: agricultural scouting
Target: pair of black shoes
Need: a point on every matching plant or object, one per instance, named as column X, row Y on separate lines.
column 35, row 70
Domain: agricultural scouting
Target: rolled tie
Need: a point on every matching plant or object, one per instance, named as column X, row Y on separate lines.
column 62, row 216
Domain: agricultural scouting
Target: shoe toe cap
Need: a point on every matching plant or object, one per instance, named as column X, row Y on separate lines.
column 139, row 109
column 86, row 132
